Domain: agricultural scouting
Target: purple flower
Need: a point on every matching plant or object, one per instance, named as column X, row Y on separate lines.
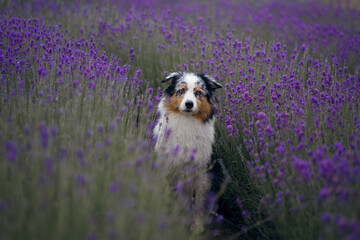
column 48, row 165
column 269, row 131
column 178, row 186
column 11, row 151
column 100, row 128
column 88, row 133
column 167, row 133
column 140, row 160
column 92, row 85
column 44, row 136
column 239, row 203
column 21, row 84
column 76, row 83
column 326, row 217
column 192, row 157
column 80, row 179
column 176, row 150
column 111, row 126
column 91, row 236
column 324, row 193
column 53, row 131
column 80, row 156
column 279, row 197
column 303, row 167
column 276, row 182
column 219, row 218
column 114, row 186
column 131, row 54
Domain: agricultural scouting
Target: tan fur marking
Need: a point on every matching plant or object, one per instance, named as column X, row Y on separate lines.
column 204, row 108
column 198, row 88
column 183, row 86
column 173, row 104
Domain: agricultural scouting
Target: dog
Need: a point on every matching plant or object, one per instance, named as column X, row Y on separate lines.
column 185, row 134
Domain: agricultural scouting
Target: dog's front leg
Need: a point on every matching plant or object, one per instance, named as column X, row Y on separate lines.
column 200, row 212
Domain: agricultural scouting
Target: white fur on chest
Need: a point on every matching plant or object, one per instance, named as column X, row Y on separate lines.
column 184, row 138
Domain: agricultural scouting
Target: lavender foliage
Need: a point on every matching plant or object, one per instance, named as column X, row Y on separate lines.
column 79, row 89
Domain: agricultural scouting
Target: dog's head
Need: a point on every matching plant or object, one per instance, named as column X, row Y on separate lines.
column 190, row 94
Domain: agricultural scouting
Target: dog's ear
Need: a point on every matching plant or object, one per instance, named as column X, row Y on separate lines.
column 210, row 82
column 172, row 77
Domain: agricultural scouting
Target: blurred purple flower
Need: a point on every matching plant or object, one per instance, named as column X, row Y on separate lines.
column 114, row 186
column 111, row 126
column 11, row 151
column 178, row 186
column 44, row 136
column 100, row 128
column 88, row 133
column 131, row 54
column 269, row 131
column 80, row 179
column 76, row 83
column 326, row 217
column 303, row 167
column 176, row 150
column 92, row 85
column 80, row 156
column 91, row 236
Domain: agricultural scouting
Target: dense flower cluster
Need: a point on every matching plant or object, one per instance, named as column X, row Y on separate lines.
column 298, row 120
column 327, row 29
column 78, row 101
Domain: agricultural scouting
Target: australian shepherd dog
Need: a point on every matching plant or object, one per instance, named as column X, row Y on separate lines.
column 185, row 134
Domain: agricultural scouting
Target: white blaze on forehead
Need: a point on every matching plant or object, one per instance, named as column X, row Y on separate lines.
column 191, row 80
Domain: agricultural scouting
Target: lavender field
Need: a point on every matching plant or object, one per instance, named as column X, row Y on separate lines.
column 80, row 84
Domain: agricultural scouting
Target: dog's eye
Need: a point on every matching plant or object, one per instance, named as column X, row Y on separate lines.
column 181, row 91
column 198, row 93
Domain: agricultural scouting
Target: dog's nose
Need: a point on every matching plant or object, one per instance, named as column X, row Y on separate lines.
column 189, row 104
